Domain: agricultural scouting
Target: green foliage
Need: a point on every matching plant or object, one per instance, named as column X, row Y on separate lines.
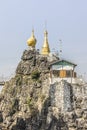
column 11, row 112
column 30, row 103
column 39, row 81
column 35, row 74
column 15, row 103
column 1, row 117
column 14, row 107
column 18, row 80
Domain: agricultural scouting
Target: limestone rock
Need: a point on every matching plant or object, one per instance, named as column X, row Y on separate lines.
column 29, row 101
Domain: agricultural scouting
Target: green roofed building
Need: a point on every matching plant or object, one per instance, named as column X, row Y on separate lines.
column 63, row 70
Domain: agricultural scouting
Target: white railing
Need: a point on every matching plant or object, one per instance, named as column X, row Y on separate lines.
column 4, row 79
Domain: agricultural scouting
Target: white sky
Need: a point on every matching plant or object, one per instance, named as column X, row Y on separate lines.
column 66, row 20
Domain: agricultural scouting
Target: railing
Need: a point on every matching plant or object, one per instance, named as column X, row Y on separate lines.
column 2, row 83
column 4, row 79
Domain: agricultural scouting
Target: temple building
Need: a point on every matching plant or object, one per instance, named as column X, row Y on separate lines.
column 59, row 69
column 63, row 70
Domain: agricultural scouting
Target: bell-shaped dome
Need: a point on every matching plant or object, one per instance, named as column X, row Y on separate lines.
column 32, row 40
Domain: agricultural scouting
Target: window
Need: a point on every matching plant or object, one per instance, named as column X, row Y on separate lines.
column 68, row 73
column 56, row 73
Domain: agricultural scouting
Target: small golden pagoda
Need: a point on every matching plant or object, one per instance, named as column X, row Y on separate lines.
column 45, row 48
column 32, row 40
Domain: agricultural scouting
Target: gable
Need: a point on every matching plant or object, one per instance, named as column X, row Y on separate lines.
column 63, row 63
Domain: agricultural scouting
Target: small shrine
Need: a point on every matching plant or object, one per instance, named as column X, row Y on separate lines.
column 63, row 70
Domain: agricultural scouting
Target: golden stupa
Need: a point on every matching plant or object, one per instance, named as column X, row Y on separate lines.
column 32, row 40
column 45, row 48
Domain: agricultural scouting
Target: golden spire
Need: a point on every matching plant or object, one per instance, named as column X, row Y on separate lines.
column 45, row 48
column 32, row 40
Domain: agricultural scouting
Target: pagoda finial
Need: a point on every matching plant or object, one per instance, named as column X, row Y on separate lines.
column 45, row 48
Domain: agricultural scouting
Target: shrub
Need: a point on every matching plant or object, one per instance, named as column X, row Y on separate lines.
column 14, row 107
column 35, row 74
column 30, row 103
column 18, row 80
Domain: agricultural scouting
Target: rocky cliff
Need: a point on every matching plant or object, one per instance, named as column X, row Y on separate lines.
column 29, row 102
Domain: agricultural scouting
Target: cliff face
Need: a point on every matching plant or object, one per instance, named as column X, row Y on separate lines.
column 29, row 102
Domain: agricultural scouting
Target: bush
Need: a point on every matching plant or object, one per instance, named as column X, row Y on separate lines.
column 30, row 103
column 18, row 80
column 35, row 74
column 14, row 107
column 1, row 117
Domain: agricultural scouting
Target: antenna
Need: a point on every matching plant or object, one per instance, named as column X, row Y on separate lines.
column 45, row 25
column 32, row 27
column 60, row 48
column 55, row 53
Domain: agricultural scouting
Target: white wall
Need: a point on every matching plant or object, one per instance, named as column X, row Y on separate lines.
column 69, row 80
column 60, row 67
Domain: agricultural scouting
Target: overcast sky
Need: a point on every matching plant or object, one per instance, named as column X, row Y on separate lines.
column 66, row 20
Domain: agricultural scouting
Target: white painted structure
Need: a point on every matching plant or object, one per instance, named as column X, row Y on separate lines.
column 61, row 67
column 69, row 80
column 62, row 70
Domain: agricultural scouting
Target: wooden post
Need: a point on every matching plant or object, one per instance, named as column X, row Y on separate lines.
column 71, row 76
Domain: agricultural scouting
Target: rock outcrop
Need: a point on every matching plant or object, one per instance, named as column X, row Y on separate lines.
column 29, row 102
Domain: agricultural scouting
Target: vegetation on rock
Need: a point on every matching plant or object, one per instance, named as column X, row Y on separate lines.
column 27, row 101
column 35, row 74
